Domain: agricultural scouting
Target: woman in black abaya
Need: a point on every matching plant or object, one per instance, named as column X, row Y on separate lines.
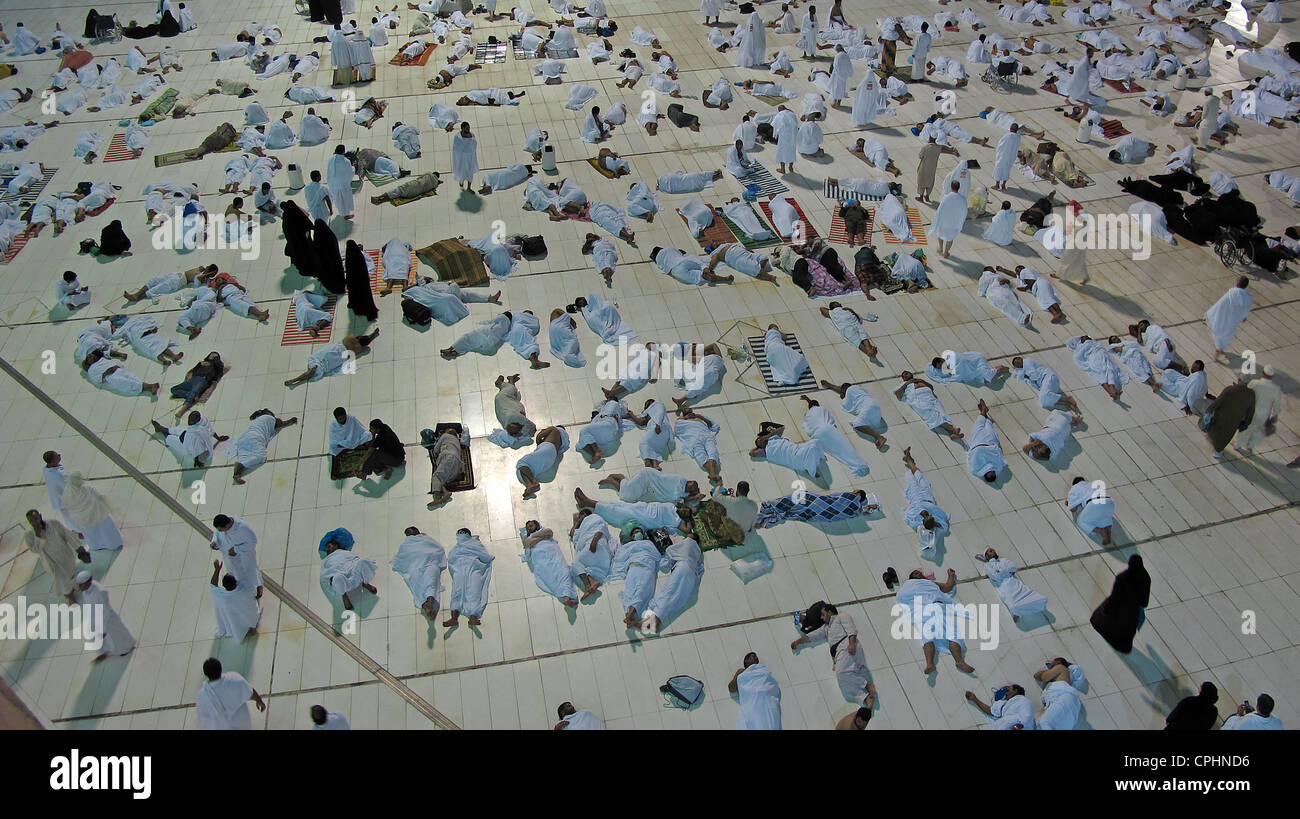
column 329, row 264
column 297, row 239
column 1121, row 614
column 361, row 300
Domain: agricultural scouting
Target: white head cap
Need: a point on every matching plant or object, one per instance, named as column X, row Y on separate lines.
column 81, row 577
column 1269, row 372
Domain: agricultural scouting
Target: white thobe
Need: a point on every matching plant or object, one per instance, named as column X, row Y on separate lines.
column 1227, row 314
column 338, row 176
column 222, row 704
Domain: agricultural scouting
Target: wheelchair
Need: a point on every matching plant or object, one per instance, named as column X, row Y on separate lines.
column 107, row 28
column 1004, row 77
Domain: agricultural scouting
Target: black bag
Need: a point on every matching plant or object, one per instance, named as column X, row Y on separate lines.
column 660, row 538
column 532, row 246
column 416, row 313
column 682, row 691
column 813, row 618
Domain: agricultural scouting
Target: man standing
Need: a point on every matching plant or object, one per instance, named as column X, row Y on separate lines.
column 58, row 548
column 117, row 639
column 950, row 218
column 222, row 700
column 239, row 543
column 56, row 480
column 1227, row 314
column 1268, row 405
column 338, row 178
column 1008, row 149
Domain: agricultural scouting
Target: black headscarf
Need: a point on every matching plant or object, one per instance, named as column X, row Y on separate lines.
column 297, row 238
column 113, row 240
column 329, row 263
column 361, row 300
column 168, row 26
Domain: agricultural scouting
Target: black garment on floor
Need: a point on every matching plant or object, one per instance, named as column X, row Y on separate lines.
column 1182, row 180
column 1151, row 192
column 140, row 32
column 198, row 379
column 113, row 240
column 95, row 23
column 679, row 117
column 361, row 299
column 1117, row 618
column 1036, row 214
column 329, row 264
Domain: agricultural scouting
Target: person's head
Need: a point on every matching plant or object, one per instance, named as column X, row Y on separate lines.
column 654, row 253
column 595, row 110
column 1264, row 705
column 990, row 553
column 340, row 150
column 566, row 710
column 1243, row 282
column 222, row 522
column 929, row 521
column 266, row 188
column 532, row 526
column 1268, row 371
column 238, row 201
column 956, row 186
column 69, row 276
column 464, row 129
column 411, row 531
column 1016, row 690
column 937, row 362
column 1113, row 156
column 1040, row 450
column 750, row 659
column 925, row 27
column 212, row 669
column 860, row 719
column 340, row 415
column 1018, row 362
column 229, row 583
column 193, row 418
column 319, row 714
column 376, row 425
column 905, row 374
column 1135, row 562
column 1197, row 366
column 315, row 176
column 915, row 574
column 1209, row 693
column 742, row 489
column 35, row 519
column 1006, row 206
column 52, row 458
column 637, row 533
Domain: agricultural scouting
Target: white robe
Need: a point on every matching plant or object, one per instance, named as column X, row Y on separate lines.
column 338, row 177
column 1002, row 228
column 236, row 611
column 419, row 561
column 1227, row 314
column 760, row 700
column 951, row 216
column 470, row 564
column 117, row 638
column 1019, row 599
column 819, row 424
column 464, row 158
column 787, row 364
column 753, row 43
column 222, row 704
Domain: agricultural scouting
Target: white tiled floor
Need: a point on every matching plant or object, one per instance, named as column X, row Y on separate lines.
column 1218, row 538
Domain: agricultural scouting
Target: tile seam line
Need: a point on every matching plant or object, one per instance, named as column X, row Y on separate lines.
column 363, row 659
column 701, row 629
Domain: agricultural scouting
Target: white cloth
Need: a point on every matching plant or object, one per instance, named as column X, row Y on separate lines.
column 419, row 561
column 222, row 704
column 236, row 611
column 1227, row 314
column 760, row 700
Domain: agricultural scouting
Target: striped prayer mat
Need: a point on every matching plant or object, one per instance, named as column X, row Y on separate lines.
column 718, row 233
column 757, row 346
column 839, row 193
column 768, row 185
column 490, row 53
column 809, row 232
column 34, row 192
column 743, row 237
column 15, row 247
column 840, row 236
column 520, row 54
column 292, row 335
column 380, row 179
column 914, row 222
column 377, row 282
column 117, row 150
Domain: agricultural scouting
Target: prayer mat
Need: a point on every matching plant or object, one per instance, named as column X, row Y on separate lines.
column 350, row 463
column 466, row 480
column 809, row 232
column 34, row 192
column 292, row 335
column 813, row 508
column 603, row 171
column 117, row 150
column 914, row 222
column 160, row 107
column 1130, row 88
column 717, row 233
column 744, row 238
column 1084, row 181
column 840, row 236
column 490, row 53
column 770, row 99
column 1050, row 89
column 520, row 54
column 768, row 185
column 377, row 282
column 806, row 383
column 207, row 393
column 892, row 286
column 181, row 157
column 454, row 261
column 1028, row 172
column 380, row 179
column 101, row 208
column 16, row 246
column 421, row 60
column 1110, row 128
column 835, row 191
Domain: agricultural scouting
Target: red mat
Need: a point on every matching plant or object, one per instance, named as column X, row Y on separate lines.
column 1110, row 128
column 117, row 150
column 423, row 59
column 377, row 282
column 914, row 222
column 15, row 247
column 292, row 335
column 715, row 234
column 809, row 232
column 839, row 235
column 1132, row 88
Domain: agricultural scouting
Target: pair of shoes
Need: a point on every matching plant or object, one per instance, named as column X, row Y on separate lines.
column 890, row 577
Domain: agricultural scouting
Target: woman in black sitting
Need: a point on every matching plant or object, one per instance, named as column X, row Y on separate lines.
column 197, row 381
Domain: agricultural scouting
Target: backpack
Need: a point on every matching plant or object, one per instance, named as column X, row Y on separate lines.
column 416, row 313
column 532, row 246
column 682, row 691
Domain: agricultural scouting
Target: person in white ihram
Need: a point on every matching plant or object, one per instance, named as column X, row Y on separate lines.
column 222, row 700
